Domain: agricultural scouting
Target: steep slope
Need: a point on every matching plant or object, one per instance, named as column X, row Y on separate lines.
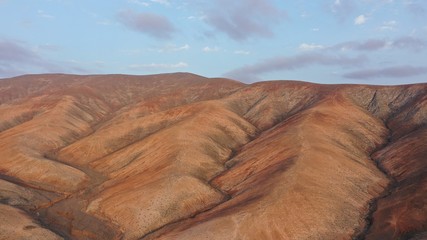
column 401, row 211
column 404, row 211
column 180, row 156
column 316, row 161
column 70, row 109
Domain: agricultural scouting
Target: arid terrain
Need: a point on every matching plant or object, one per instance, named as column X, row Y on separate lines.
column 180, row 156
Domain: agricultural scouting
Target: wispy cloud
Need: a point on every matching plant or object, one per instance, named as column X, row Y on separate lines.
column 389, row 25
column 251, row 72
column 390, row 72
column 370, row 45
column 346, row 54
column 411, row 43
column 15, row 56
column 342, row 8
column 243, row 19
column 163, row 2
column 367, row 45
column 242, row 52
column 211, row 49
column 18, row 58
column 151, row 24
column 138, row 2
column 198, row 17
column 15, row 52
column 171, row 48
column 310, row 47
column 43, row 14
column 168, row 48
column 148, row 2
column 158, row 66
column 47, row 47
column 402, row 43
column 415, row 7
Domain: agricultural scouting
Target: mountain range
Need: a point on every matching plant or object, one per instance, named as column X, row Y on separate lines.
column 181, row 156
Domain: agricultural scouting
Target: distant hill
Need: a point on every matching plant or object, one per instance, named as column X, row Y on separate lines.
column 181, row 156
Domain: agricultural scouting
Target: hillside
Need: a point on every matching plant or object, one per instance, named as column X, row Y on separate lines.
column 181, row 156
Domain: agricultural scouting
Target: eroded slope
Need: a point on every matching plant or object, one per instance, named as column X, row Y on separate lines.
column 181, row 156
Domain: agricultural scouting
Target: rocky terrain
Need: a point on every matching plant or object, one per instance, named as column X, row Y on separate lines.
column 180, row 156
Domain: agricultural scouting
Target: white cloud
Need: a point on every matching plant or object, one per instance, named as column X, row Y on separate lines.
column 310, row 47
column 171, row 48
column 315, row 29
column 361, row 19
column 154, row 66
column 184, row 47
column 242, row 52
column 389, row 26
column 210, row 49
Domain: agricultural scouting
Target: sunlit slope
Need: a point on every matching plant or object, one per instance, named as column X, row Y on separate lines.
column 309, row 177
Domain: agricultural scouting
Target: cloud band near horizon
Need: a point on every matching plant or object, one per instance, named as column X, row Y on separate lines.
column 388, row 72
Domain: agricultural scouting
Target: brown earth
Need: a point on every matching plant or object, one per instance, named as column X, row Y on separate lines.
column 180, row 156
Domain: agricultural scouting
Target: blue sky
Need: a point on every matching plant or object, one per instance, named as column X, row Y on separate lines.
column 328, row 41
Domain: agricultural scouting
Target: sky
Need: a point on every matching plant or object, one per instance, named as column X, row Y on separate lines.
column 323, row 41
